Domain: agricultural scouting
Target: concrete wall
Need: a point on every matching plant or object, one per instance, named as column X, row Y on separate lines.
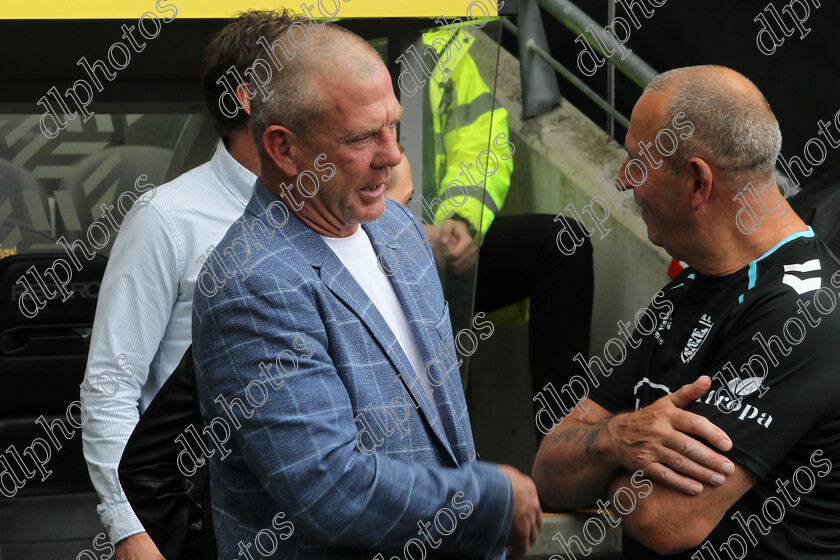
column 558, row 157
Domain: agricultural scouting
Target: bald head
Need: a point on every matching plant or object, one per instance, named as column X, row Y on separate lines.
column 734, row 127
column 336, row 50
column 298, row 96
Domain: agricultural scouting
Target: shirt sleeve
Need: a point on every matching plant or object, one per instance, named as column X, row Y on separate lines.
column 612, row 385
column 614, row 380
column 138, row 291
column 783, row 388
column 615, row 392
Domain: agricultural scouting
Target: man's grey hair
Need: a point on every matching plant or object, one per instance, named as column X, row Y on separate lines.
column 296, row 102
column 733, row 128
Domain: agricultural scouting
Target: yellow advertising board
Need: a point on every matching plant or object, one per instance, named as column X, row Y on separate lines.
column 210, row 9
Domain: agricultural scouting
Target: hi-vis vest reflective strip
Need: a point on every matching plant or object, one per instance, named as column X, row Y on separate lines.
column 188, row 9
column 466, row 117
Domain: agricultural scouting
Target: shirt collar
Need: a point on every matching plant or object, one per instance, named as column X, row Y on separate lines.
column 235, row 177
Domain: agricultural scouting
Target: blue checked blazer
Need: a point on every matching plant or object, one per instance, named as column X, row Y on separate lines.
column 293, row 453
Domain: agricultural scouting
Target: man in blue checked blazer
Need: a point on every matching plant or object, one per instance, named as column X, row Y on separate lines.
column 336, row 422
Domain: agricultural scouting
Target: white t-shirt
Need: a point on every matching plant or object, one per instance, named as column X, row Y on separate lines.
column 357, row 254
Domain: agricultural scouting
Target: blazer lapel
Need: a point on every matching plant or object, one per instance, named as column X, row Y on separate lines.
column 411, row 279
column 341, row 283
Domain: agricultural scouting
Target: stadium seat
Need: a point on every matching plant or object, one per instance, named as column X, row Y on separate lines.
column 49, row 512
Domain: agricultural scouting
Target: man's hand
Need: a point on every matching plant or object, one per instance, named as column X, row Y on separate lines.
column 459, row 248
column 656, row 440
column 137, row 547
column 527, row 516
column 452, row 245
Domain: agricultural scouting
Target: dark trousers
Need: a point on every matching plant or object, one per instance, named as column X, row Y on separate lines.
column 519, row 259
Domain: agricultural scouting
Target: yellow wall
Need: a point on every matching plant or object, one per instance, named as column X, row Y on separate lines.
column 131, row 9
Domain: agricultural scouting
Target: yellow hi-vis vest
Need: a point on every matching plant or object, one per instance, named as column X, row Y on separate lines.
column 472, row 148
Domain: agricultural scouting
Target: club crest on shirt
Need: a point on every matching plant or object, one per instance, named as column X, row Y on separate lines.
column 697, row 338
column 665, row 325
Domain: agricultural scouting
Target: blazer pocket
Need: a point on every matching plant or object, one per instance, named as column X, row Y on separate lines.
column 444, row 325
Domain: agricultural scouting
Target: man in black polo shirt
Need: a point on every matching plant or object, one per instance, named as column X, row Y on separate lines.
column 731, row 376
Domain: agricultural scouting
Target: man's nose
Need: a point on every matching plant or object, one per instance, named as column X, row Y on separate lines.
column 623, row 184
column 390, row 155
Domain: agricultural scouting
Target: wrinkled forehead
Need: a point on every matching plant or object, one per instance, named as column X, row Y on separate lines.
column 355, row 85
column 358, row 99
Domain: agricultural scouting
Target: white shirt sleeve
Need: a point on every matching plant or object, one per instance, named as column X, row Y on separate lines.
column 136, row 298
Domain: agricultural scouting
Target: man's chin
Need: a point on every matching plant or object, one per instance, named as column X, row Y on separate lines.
column 654, row 238
column 372, row 212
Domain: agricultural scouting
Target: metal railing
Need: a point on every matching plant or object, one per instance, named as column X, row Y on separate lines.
column 533, row 43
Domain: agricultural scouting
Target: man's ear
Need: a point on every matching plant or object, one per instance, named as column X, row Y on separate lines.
column 281, row 145
column 242, row 95
column 700, row 181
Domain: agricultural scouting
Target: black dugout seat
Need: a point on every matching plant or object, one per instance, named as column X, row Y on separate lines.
column 819, row 206
column 46, row 511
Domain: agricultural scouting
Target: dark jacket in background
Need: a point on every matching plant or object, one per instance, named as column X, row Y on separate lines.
column 173, row 508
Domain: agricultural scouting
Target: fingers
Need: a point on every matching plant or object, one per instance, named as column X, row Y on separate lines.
column 456, row 252
column 465, row 261
column 446, row 230
column 690, row 423
column 458, row 237
column 461, row 251
column 658, row 439
column 687, row 394
column 463, row 242
column 453, row 243
column 667, row 477
column 520, row 540
column 527, row 516
column 137, row 547
column 695, row 459
column 516, row 549
column 682, row 462
column 698, row 473
column 529, row 533
column 533, row 515
column 536, row 525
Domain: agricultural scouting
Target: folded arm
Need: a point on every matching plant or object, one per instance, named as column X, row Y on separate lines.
column 582, row 456
column 668, row 521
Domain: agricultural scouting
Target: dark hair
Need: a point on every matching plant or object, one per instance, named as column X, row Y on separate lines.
column 236, row 45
